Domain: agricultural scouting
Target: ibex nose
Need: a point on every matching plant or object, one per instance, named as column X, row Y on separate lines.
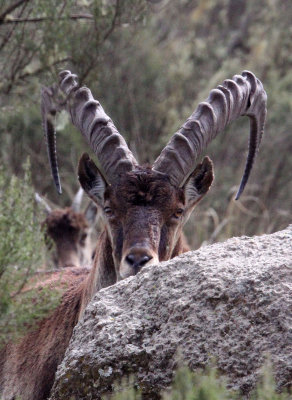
column 137, row 259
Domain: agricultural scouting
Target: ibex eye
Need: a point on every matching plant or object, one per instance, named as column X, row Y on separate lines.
column 178, row 213
column 83, row 238
column 108, row 211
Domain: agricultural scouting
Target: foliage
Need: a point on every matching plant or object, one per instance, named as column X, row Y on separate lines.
column 265, row 389
column 41, row 36
column 200, row 386
column 206, row 385
column 20, row 256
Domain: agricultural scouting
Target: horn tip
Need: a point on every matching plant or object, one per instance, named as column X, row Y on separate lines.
column 58, row 187
column 239, row 193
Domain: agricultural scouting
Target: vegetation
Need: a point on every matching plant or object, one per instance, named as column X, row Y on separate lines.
column 40, row 37
column 207, row 385
column 20, row 258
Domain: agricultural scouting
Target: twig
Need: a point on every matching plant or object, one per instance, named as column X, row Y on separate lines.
column 43, row 19
column 9, row 34
column 33, row 73
column 113, row 24
column 11, row 8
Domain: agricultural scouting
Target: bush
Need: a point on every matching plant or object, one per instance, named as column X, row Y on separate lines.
column 21, row 249
column 206, row 385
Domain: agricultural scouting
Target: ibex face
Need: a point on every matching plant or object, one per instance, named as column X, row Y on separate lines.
column 143, row 212
column 69, row 231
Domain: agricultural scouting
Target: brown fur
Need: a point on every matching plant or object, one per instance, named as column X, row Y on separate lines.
column 68, row 230
column 143, row 209
column 65, row 218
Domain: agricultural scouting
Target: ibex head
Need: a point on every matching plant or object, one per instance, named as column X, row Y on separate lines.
column 144, row 212
column 69, row 229
column 145, row 207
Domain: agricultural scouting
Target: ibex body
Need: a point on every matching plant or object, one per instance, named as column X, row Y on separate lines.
column 143, row 208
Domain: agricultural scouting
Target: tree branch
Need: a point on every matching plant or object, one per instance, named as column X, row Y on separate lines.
column 8, row 34
column 43, row 69
column 113, row 24
column 43, row 19
column 11, row 8
column 36, row 72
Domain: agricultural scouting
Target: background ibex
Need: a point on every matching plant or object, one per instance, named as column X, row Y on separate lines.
column 144, row 208
column 69, row 229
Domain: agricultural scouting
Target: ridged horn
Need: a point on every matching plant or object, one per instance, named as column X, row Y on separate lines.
column 96, row 126
column 48, row 111
column 242, row 95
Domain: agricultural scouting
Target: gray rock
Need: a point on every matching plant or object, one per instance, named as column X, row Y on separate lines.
column 231, row 301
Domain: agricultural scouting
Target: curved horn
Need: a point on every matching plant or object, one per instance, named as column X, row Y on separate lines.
column 43, row 202
column 243, row 95
column 89, row 117
column 76, row 203
column 48, row 111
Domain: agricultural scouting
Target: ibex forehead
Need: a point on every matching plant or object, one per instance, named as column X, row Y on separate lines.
column 145, row 187
column 65, row 218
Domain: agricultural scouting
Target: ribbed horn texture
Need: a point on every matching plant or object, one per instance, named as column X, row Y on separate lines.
column 48, row 111
column 89, row 117
column 242, row 95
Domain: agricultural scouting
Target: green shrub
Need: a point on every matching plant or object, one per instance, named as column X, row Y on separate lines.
column 200, row 386
column 21, row 249
column 206, row 385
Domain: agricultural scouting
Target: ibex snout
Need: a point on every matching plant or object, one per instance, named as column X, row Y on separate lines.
column 135, row 259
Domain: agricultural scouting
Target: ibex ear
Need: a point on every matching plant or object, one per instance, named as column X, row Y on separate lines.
column 199, row 182
column 91, row 179
column 91, row 213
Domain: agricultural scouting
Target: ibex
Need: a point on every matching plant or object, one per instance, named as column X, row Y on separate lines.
column 69, row 230
column 144, row 208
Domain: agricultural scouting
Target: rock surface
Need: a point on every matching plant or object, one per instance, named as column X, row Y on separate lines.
column 231, row 301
